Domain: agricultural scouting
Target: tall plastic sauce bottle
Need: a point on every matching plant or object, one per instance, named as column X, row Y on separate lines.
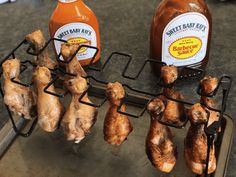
column 181, row 34
column 74, row 22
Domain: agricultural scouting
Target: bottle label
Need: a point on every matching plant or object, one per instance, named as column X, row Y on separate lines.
column 77, row 33
column 67, row 1
column 184, row 39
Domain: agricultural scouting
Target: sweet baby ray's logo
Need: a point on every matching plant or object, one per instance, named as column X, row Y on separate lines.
column 185, row 48
column 80, row 41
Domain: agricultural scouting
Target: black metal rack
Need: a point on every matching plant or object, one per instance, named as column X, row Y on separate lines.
column 137, row 99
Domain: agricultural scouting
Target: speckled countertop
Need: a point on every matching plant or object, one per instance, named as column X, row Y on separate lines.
column 124, row 26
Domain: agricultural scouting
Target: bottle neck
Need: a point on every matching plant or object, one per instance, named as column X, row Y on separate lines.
column 67, row 1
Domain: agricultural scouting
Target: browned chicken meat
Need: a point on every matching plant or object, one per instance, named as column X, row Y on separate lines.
column 169, row 74
column 74, row 67
column 79, row 118
column 160, row 148
column 208, row 84
column 197, row 114
column 117, row 126
column 49, row 107
column 174, row 111
column 195, row 150
column 213, row 115
column 18, row 98
column 37, row 42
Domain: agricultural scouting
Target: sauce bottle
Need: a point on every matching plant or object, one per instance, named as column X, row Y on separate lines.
column 181, row 34
column 74, row 22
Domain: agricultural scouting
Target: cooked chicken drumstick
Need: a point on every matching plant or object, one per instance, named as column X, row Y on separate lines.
column 37, row 42
column 169, row 74
column 213, row 115
column 197, row 114
column 49, row 107
column 174, row 111
column 159, row 145
column 79, row 118
column 117, row 126
column 74, row 67
column 18, row 98
column 195, row 150
column 208, row 84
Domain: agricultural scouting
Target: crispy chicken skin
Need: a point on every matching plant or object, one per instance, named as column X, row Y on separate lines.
column 197, row 114
column 156, row 107
column 169, row 74
column 74, row 67
column 37, row 42
column 213, row 115
column 49, row 108
column 18, row 98
column 174, row 111
column 159, row 144
column 79, row 118
column 208, row 84
column 195, row 144
column 117, row 126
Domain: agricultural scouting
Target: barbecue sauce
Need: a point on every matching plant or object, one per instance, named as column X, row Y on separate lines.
column 181, row 34
column 74, row 22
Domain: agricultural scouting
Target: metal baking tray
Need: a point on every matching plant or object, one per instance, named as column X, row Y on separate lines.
column 50, row 155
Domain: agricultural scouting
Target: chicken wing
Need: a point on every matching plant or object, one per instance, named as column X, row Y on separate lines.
column 73, row 67
column 79, row 118
column 160, row 148
column 195, row 144
column 37, row 42
column 117, row 126
column 18, row 98
column 49, row 108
